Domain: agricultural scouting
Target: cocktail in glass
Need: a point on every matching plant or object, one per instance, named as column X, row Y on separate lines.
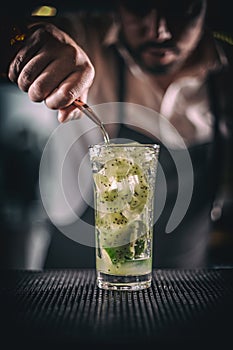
column 124, row 187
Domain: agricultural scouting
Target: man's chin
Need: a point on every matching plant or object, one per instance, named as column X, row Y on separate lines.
column 157, row 68
column 158, row 64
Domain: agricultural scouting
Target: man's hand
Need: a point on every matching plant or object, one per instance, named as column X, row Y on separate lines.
column 52, row 68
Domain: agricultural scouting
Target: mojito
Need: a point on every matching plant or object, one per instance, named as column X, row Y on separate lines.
column 124, row 187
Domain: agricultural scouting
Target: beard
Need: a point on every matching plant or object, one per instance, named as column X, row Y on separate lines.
column 155, row 67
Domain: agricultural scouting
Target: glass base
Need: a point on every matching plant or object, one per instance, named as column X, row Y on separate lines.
column 128, row 283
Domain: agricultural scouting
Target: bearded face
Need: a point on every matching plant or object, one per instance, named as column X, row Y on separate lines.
column 161, row 34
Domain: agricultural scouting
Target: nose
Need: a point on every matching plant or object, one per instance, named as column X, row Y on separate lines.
column 157, row 28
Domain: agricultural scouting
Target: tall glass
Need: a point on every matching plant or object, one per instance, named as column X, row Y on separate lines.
column 124, row 187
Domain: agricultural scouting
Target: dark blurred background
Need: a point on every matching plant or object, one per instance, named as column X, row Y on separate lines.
column 219, row 11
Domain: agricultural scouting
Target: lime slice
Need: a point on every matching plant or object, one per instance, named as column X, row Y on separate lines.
column 137, row 267
column 104, row 264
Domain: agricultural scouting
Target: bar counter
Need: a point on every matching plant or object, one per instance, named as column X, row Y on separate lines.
column 64, row 309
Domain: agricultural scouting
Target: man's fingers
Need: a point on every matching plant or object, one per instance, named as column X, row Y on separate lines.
column 31, row 71
column 71, row 88
column 29, row 49
column 65, row 113
column 52, row 68
column 71, row 112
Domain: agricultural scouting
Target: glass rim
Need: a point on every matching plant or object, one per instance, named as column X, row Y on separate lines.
column 155, row 146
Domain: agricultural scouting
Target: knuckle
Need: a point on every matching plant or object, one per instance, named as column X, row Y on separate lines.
column 73, row 52
column 35, row 92
column 18, row 61
column 67, row 96
column 25, row 80
column 92, row 74
column 87, row 77
column 90, row 71
column 11, row 74
column 61, row 99
column 16, row 67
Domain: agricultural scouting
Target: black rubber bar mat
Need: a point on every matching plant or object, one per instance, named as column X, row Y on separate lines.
column 191, row 309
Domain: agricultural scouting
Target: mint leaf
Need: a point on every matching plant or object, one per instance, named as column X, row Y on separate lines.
column 119, row 255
